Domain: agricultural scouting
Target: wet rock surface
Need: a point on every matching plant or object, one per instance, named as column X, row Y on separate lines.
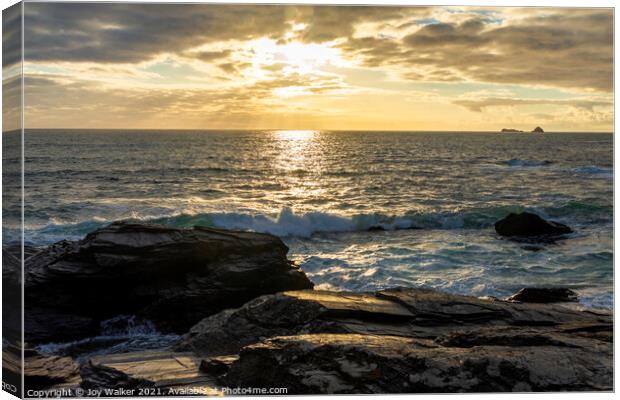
column 353, row 363
column 544, row 295
column 174, row 277
column 529, row 225
column 392, row 341
column 407, row 340
column 229, row 292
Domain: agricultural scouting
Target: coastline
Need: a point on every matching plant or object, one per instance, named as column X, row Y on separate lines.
column 245, row 316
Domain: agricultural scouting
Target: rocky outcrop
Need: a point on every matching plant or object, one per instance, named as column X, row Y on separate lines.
column 544, row 295
column 174, row 277
column 405, row 340
column 366, row 364
column 528, row 225
column 510, row 130
column 416, row 313
column 538, row 129
column 392, row 341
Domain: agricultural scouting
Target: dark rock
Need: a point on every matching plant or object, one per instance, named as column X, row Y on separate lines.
column 217, row 366
column 538, row 129
column 11, row 295
column 544, row 295
column 375, row 228
column 532, row 248
column 510, row 130
column 392, row 341
column 417, row 313
column 16, row 250
column 174, row 277
column 526, row 224
column 369, row 364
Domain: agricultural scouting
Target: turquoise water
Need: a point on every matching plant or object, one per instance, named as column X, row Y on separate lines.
column 321, row 191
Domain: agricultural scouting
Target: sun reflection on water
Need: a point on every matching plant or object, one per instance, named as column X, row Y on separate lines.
column 303, row 135
column 300, row 162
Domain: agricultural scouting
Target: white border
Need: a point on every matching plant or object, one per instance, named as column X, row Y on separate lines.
column 503, row 3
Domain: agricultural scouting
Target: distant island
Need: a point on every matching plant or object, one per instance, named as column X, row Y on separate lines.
column 538, row 129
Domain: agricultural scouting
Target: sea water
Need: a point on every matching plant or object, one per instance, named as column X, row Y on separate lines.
column 359, row 210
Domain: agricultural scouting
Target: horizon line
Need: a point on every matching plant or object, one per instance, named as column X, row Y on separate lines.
column 302, row 130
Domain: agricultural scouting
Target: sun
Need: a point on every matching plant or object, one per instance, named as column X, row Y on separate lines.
column 294, row 57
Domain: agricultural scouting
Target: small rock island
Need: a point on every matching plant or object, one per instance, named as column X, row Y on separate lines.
column 538, row 129
column 510, row 130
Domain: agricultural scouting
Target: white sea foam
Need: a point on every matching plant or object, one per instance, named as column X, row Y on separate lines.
column 118, row 335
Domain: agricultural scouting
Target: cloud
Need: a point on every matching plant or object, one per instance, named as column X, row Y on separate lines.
column 92, row 103
column 11, row 35
column 480, row 104
column 130, row 33
column 568, row 49
column 11, row 103
column 208, row 56
column 328, row 23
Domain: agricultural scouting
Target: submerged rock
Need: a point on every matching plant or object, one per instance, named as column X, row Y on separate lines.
column 174, row 277
column 527, row 224
column 544, row 295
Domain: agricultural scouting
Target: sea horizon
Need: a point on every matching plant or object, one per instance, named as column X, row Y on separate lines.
column 299, row 129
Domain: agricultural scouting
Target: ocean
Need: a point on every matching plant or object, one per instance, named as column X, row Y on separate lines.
column 358, row 210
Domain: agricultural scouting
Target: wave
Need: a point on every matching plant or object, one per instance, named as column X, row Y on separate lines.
column 594, row 170
column 516, row 162
column 290, row 224
column 121, row 334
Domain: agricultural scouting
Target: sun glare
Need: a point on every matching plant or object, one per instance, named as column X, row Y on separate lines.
column 296, row 57
column 301, row 135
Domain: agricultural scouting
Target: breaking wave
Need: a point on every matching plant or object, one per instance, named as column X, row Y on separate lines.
column 120, row 334
column 288, row 223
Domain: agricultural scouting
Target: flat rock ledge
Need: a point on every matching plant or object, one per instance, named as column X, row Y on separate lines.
column 392, row 341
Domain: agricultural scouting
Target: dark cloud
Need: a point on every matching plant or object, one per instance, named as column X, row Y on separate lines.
column 208, row 56
column 570, row 49
column 326, row 23
column 11, row 35
column 129, row 33
column 566, row 48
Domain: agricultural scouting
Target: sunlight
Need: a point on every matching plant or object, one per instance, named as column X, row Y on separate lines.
column 297, row 57
column 297, row 135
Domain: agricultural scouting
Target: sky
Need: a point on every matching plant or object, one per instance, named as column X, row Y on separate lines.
column 197, row 66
